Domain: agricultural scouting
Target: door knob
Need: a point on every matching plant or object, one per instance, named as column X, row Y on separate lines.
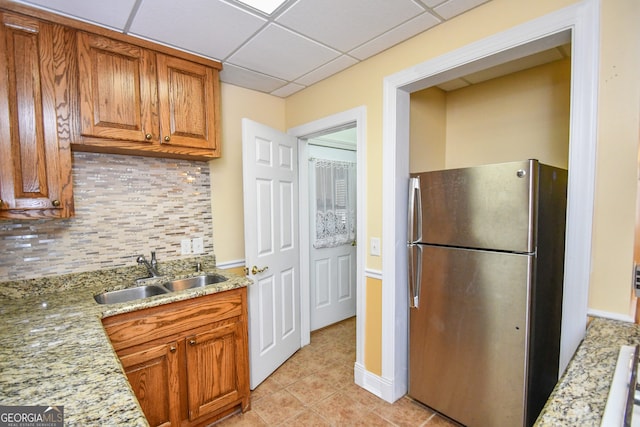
column 256, row 270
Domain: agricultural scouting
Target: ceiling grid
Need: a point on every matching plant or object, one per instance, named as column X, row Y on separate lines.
column 300, row 43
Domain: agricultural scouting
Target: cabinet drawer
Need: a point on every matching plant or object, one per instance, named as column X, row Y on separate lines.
column 129, row 329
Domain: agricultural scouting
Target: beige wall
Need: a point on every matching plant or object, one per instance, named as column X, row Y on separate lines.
column 361, row 85
column 226, row 172
column 616, row 168
column 617, row 124
column 524, row 115
column 428, row 130
column 520, row 116
column 373, row 326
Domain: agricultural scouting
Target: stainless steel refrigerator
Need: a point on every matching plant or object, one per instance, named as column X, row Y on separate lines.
column 486, row 257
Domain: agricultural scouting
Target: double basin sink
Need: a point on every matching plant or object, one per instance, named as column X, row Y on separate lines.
column 146, row 291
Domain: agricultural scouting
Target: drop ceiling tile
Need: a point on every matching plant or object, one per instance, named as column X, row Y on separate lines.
column 337, row 65
column 210, row 28
column 249, row 79
column 287, row 90
column 455, row 7
column 345, row 25
column 453, row 84
column 281, row 53
column 433, row 3
column 524, row 63
column 113, row 13
column 391, row 38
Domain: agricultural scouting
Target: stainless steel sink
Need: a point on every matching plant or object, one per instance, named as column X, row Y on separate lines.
column 194, row 282
column 146, row 291
column 129, row 294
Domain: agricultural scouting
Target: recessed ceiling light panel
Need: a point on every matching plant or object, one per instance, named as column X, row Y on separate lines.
column 266, row 6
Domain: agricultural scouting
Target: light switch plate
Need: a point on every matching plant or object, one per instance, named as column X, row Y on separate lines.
column 185, row 246
column 374, row 249
column 198, row 245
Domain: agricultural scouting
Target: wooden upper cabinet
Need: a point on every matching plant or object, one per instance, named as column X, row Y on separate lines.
column 137, row 101
column 35, row 170
column 187, row 103
column 116, row 89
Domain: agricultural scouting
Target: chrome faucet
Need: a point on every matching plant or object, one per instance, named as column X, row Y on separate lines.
column 151, row 268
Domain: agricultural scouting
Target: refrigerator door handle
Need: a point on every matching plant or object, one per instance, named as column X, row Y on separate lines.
column 414, row 223
column 415, row 274
column 414, row 235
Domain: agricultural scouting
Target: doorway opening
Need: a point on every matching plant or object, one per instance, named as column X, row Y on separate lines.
column 581, row 23
column 332, row 190
column 351, row 125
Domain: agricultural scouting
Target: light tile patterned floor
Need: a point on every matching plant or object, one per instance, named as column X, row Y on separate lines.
column 315, row 387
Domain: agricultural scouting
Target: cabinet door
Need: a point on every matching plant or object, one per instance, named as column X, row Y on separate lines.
column 30, row 174
column 188, row 108
column 216, row 369
column 154, row 377
column 117, row 90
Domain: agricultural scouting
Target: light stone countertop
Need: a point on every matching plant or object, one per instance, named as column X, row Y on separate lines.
column 55, row 352
column 580, row 396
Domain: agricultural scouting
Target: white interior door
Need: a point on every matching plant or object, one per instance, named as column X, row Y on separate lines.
column 270, row 182
column 332, row 281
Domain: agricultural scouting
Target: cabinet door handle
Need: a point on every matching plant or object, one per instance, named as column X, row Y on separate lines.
column 167, row 138
column 148, row 136
column 172, row 349
column 55, row 203
column 192, row 342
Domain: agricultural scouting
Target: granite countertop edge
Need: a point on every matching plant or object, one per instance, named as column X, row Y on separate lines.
column 54, row 350
column 580, row 396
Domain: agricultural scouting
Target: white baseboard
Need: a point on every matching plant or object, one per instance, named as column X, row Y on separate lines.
column 230, row 264
column 609, row 315
column 375, row 384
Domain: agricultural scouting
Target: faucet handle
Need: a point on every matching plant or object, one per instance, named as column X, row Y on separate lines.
column 154, row 261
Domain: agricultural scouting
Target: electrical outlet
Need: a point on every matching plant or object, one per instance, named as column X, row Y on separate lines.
column 198, row 245
column 185, row 247
column 374, row 249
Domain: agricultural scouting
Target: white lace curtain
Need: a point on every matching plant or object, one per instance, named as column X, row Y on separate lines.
column 335, row 202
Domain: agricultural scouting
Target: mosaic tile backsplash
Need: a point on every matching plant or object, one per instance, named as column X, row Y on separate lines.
column 125, row 206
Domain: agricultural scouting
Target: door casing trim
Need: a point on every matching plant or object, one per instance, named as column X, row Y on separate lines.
column 581, row 20
column 357, row 115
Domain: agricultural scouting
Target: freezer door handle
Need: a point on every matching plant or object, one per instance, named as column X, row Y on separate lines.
column 414, row 221
column 415, row 274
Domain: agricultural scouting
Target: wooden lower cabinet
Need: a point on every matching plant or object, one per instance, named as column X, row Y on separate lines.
column 212, row 372
column 154, row 377
column 187, row 362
